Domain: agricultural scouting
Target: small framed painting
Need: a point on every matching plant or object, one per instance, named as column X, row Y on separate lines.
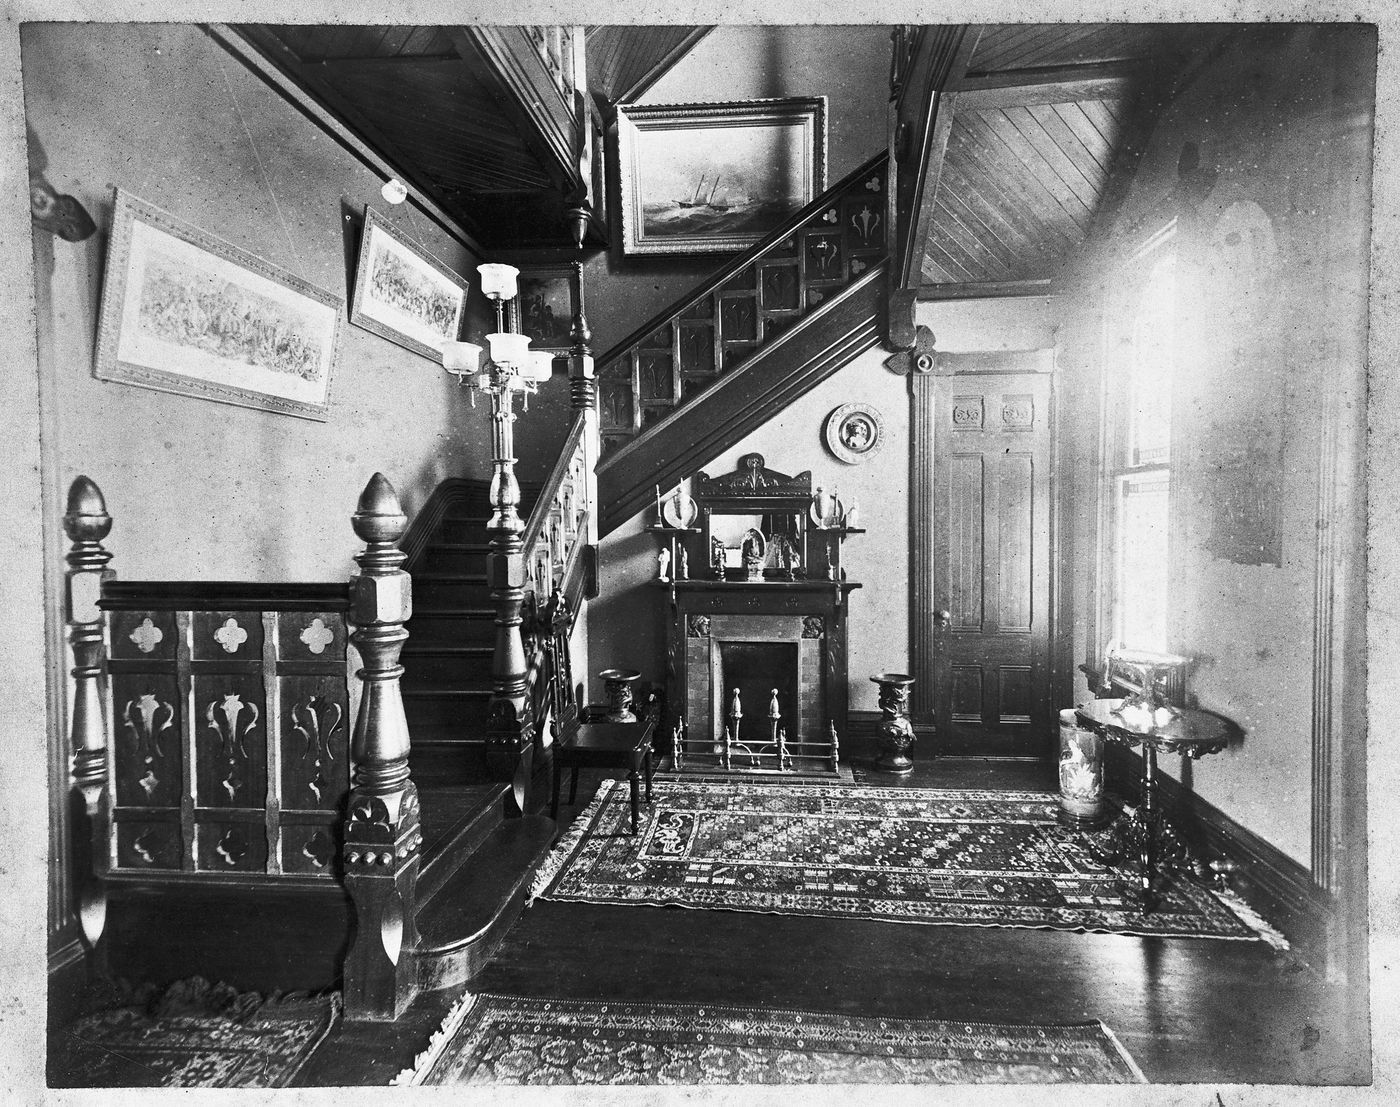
column 700, row 178
column 185, row 312
column 403, row 293
column 548, row 301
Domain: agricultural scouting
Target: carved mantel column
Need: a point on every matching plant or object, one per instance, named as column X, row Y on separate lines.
column 382, row 833
column 86, row 523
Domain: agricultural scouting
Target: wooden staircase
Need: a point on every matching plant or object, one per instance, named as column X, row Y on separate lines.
column 763, row 330
column 447, row 658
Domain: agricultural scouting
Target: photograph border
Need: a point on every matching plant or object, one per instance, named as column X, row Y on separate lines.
column 107, row 366
column 633, row 119
column 374, row 221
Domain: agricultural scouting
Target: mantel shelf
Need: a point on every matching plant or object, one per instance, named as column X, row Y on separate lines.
column 666, row 528
column 694, row 585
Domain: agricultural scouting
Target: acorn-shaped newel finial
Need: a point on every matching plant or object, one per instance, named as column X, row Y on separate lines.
column 86, row 519
column 378, row 517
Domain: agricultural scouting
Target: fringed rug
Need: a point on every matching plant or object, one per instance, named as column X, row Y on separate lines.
column 194, row 1034
column 491, row 1039
column 982, row 858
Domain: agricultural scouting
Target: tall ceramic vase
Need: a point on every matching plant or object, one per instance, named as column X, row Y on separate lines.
column 618, row 683
column 896, row 733
column 1082, row 802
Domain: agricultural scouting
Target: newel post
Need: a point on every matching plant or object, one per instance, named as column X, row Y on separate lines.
column 86, row 523
column 509, row 725
column 382, row 833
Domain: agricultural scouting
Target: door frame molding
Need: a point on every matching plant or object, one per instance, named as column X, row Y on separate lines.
column 923, row 421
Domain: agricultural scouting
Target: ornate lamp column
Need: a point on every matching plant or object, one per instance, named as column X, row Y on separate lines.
column 382, row 833
column 86, row 523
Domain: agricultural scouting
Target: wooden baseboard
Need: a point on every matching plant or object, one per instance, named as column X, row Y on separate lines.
column 1270, row 881
column 67, row 980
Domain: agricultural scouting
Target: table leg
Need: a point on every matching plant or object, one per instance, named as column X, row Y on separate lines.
column 1150, row 815
column 554, row 791
column 647, row 765
column 636, row 813
column 573, row 786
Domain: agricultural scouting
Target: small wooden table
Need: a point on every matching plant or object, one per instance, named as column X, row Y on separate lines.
column 1185, row 731
column 607, row 746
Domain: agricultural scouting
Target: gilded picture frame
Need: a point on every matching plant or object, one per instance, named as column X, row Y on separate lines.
column 403, row 293
column 548, row 301
column 710, row 178
column 188, row 313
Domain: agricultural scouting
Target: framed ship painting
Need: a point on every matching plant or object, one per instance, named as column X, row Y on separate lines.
column 705, row 178
column 403, row 293
column 185, row 312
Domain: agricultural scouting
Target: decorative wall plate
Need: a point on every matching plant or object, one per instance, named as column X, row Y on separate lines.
column 854, row 432
column 678, row 510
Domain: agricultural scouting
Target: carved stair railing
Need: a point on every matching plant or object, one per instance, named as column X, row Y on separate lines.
column 827, row 258
column 230, row 762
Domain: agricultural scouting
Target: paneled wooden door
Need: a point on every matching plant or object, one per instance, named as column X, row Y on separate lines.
column 987, row 639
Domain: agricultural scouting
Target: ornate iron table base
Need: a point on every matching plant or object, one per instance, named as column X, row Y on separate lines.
column 1146, row 836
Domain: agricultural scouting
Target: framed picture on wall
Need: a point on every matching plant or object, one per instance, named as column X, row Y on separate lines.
column 186, row 312
column 548, row 301
column 699, row 178
column 403, row 293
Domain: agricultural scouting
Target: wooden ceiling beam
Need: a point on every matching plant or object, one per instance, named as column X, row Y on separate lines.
column 660, row 67
column 926, row 75
column 1019, row 88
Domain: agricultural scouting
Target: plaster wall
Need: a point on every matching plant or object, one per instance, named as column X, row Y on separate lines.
column 1263, row 161
column 208, row 490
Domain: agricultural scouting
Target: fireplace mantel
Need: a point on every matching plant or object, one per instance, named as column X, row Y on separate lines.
column 708, row 615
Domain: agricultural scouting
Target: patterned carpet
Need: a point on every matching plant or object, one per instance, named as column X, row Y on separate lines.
column 983, row 858
column 194, row 1034
column 491, row 1039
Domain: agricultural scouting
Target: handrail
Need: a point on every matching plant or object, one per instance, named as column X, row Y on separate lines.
column 738, row 264
column 224, row 595
column 544, row 503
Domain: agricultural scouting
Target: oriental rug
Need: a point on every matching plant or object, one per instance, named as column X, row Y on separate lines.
column 194, row 1034
column 493, row 1039
column 969, row 857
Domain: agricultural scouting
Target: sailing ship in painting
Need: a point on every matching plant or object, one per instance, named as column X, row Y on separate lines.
column 714, row 207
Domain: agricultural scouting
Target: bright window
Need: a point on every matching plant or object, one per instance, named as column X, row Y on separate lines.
column 1139, row 388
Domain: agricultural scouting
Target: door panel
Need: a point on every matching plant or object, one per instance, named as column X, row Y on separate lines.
column 991, row 569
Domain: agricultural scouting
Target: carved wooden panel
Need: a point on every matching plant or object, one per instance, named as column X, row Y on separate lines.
column 697, row 348
column 739, row 318
column 966, row 696
column 226, row 635
column 230, row 845
column 656, row 376
column 146, row 739
column 965, row 539
column 226, row 725
column 230, row 746
column 1015, row 515
column 1014, row 694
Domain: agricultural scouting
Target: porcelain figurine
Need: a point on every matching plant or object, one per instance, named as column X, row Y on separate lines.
column 663, row 565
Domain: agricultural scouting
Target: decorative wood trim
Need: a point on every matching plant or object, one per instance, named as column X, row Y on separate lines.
column 741, row 400
column 994, row 361
column 1270, row 881
column 921, row 515
column 921, row 119
column 274, row 65
column 984, row 290
column 1014, row 88
column 223, row 595
column 1326, row 567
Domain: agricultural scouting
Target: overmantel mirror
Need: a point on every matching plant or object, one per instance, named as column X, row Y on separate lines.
column 753, row 522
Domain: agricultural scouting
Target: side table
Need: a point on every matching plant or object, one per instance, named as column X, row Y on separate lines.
column 1185, row 731
column 608, row 746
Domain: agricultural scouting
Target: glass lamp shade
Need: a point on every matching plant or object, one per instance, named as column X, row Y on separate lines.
column 461, row 358
column 510, row 352
column 498, row 281
column 541, row 365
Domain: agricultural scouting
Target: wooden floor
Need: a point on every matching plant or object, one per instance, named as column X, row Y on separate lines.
column 1188, row 1010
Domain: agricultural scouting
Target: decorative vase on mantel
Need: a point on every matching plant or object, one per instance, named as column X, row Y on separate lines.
column 896, row 732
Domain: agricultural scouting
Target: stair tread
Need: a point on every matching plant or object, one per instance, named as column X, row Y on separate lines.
column 433, row 691
column 456, row 819
column 475, row 895
column 450, row 650
column 448, row 612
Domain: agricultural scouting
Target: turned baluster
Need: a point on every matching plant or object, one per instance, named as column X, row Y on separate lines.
column 86, row 523
column 583, row 394
column 382, row 833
